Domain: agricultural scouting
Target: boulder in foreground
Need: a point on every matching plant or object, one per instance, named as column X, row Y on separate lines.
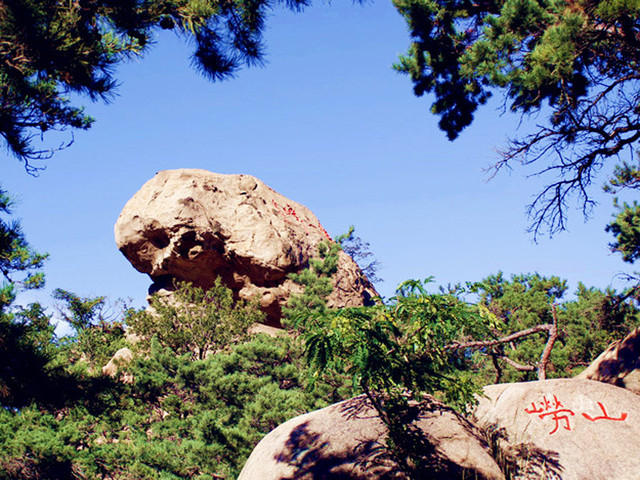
column 564, row 429
column 346, row 441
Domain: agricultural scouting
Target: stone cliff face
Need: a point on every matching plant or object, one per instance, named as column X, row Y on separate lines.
column 194, row 225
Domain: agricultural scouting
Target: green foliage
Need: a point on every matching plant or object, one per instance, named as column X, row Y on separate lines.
column 171, row 413
column 25, row 333
column 173, row 417
column 98, row 332
column 591, row 323
column 626, row 229
column 196, row 321
column 180, row 418
column 26, row 354
column 397, row 353
column 200, row 393
column 52, row 49
column 625, row 176
column 423, row 344
column 391, row 349
column 360, row 252
column 520, row 303
column 586, row 326
column 316, row 283
column 80, row 312
column 576, row 62
column 19, row 263
column 401, row 348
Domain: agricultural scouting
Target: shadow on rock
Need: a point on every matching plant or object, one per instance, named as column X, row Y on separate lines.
column 523, row 460
column 407, row 451
column 311, row 458
column 619, row 364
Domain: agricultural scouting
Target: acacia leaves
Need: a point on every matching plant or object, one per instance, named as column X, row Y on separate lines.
column 397, row 348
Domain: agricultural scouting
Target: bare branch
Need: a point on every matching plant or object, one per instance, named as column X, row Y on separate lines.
column 489, row 343
column 546, row 353
column 518, row 366
column 580, row 137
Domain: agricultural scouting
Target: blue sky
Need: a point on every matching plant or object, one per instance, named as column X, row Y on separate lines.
column 326, row 122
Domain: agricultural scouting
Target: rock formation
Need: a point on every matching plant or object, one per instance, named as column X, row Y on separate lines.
column 564, row 429
column 120, row 358
column 619, row 364
column 346, row 441
column 193, row 225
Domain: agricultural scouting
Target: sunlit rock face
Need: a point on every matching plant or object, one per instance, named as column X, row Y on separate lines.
column 567, row 429
column 619, row 364
column 194, row 225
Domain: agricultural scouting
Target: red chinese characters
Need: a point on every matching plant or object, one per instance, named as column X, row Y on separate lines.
column 555, row 411
column 605, row 416
column 288, row 213
column 560, row 415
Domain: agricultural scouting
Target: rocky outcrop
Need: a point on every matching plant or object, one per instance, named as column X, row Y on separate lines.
column 619, row 364
column 120, row 358
column 564, row 429
column 346, row 441
column 194, row 225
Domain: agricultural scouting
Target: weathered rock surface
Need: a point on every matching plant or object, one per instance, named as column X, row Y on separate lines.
column 619, row 364
column 257, row 328
column 346, row 441
column 193, row 225
column 565, row 429
column 120, row 358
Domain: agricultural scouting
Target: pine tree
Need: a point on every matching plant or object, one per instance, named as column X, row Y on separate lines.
column 50, row 49
column 25, row 333
column 195, row 321
column 578, row 63
column 19, row 263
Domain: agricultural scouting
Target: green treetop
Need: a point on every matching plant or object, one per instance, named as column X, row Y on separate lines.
column 584, row 326
column 196, row 321
column 626, row 225
column 577, row 62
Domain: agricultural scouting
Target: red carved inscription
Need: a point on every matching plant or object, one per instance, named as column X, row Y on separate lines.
column 555, row 411
column 560, row 415
column 289, row 214
column 605, row 416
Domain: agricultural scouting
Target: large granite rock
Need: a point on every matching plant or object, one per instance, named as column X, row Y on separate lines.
column 193, row 225
column 346, row 441
column 564, row 429
column 619, row 364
